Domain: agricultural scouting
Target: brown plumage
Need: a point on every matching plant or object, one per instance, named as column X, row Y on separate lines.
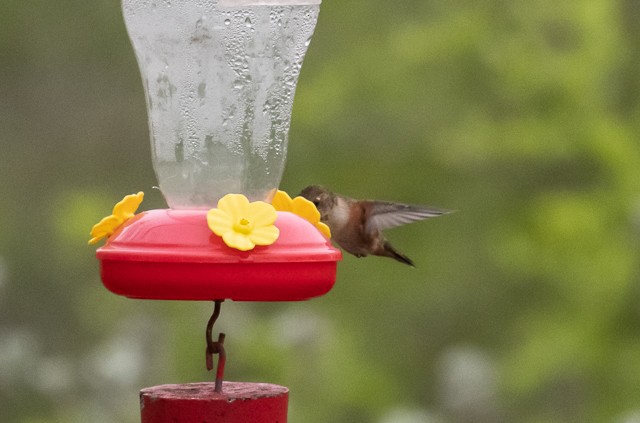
column 357, row 225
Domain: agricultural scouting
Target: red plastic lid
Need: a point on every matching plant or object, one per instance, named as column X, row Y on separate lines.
column 173, row 255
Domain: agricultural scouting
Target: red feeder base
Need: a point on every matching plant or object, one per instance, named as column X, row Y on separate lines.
column 173, row 255
column 239, row 402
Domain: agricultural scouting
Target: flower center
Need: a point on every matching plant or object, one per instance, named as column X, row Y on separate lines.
column 243, row 226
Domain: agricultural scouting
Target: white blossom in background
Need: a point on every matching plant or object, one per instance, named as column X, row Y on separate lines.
column 409, row 415
column 468, row 385
column 55, row 374
column 629, row 417
column 120, row 361
column 19, row 356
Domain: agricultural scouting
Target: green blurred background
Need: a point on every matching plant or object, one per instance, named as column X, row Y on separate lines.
column 524, row 306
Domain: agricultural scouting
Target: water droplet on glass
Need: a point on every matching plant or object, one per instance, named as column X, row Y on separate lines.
column 227, row 21
column 247, row 22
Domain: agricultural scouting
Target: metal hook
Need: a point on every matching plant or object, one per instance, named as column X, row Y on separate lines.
column 216, row 347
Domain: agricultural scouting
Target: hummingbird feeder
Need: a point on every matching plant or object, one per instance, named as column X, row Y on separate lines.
column 219, row 78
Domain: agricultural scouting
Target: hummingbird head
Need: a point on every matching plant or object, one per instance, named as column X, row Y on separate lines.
column 323, row 199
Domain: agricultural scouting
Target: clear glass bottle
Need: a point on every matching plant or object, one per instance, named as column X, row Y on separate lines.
column 219, row 78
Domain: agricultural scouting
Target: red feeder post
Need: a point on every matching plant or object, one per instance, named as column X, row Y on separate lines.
column 239, row 402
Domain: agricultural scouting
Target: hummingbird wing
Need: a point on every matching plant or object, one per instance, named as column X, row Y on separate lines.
column 385, row 215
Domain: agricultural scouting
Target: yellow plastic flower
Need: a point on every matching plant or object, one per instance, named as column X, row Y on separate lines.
column 301, row 207
column 241, row 224
column 122, row 211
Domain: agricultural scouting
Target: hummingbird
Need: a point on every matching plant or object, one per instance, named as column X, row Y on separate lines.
column 357, row 225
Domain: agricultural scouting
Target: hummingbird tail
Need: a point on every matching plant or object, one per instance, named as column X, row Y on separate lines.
column 390, row 251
